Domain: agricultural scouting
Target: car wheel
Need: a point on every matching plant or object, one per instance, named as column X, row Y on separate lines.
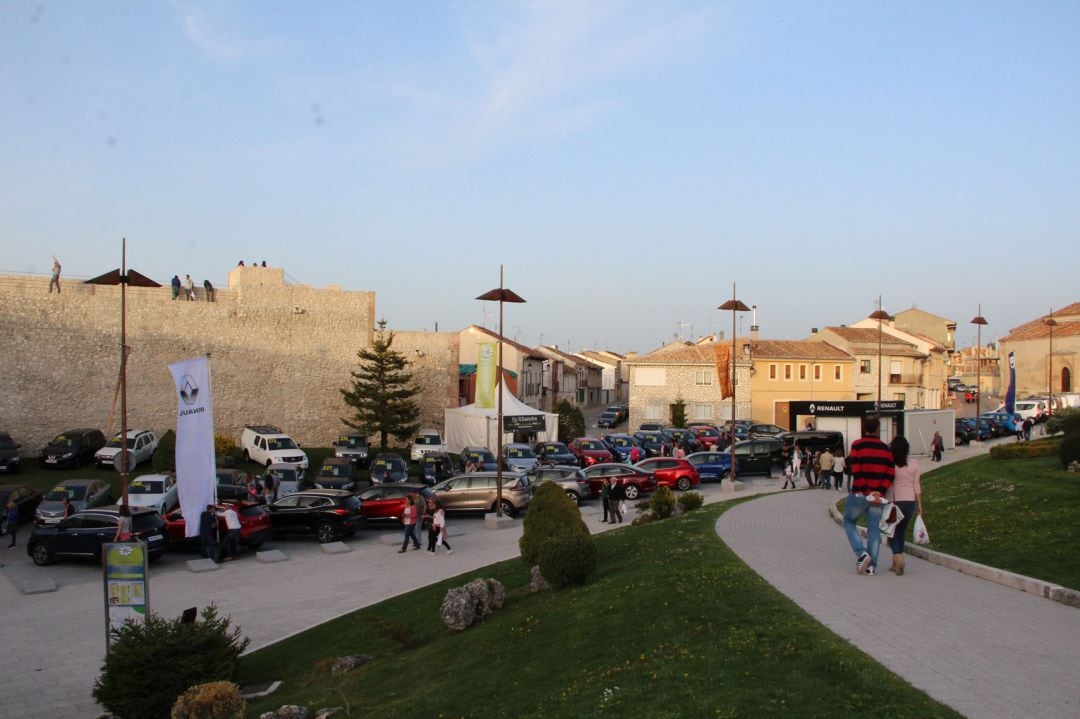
column 325, row 532
column 507, row 508
column 683, row 484
column 572, row 496
column 726, row 475
column 41, row 554
column 631, row 491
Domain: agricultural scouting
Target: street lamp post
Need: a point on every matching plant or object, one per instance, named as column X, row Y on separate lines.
column 1051, row 323
column 879, row 315
column 500, row 294
column 978, row 321
column 734, row 305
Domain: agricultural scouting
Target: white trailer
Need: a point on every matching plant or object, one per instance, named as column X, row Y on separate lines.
column 920, row 425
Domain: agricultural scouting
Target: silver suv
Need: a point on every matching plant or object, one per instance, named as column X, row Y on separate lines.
column 352, row 447
column 569, row 478
column 477, row 492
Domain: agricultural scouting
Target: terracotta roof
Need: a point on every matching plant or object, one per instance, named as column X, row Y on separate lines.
column 1068, row 325
column 687, row 354
column 797, row 349
column 864, row 340
column 527, row 351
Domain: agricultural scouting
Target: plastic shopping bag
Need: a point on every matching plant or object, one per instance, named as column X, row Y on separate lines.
column 890, row 517
column 920, row 535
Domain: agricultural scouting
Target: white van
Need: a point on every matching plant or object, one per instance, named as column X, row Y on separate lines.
column 1030, row 408
column 427, row 440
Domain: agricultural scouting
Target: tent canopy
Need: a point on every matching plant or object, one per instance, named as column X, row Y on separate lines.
column 471, row 426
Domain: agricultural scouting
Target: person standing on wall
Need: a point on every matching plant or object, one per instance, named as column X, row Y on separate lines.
column 209, row 288
column 872, row 473
column 189, row 285
column 55, row 275
column 174, row 283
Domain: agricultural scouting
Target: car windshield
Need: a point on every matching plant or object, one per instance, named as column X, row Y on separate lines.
column 353, row 442
column 622, row 442
column 484, row 457
column 350, row 502
column 284, row 474
column 334, row 470
column 428, row 439
column 707, row 432
column 64, row 441
column 607, row 415
column 115, row 442
column 553, row 448
column 280, row 443
column 520, row 453
column 146, row 486
column 591, row 444
column 57, row 494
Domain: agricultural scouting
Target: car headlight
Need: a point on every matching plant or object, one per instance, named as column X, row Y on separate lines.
column 67, row 455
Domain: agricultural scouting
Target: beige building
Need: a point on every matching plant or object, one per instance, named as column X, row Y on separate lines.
column 1037, row 370
column 932, row 371
column 940, row 330
column 565, row 377
column 792, row 370
column 523, row 368
column 900, row 373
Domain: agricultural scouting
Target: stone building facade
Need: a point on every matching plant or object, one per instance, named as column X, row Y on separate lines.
column 1037, row 371
column 279, row 355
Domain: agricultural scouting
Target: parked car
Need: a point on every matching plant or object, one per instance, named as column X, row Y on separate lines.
column 589, row 450
column 971, row 394
column 635, row 481
column 481, row 456
column 685, row 437
column 81, row 535
column 707, row 435
column 387, row 501
column 140, row 445
column 437, row 466
column 427, row 440
column 812, row 440
column 570, row 478
column 26, row 499
column 756, row 431
column 621, row 445
column 758, row 456
column 712, row 466
column 621, row 411
column 266, row 444
column 336, row 473
column 353, row 447
column 652, row 427
column 157, row 491
column 671, row 472
column 965, row 432
column 72, row 448
column 1001, row 423
column 81, row 493
column 232, row 484
column 478, row 492
column 1033, row 409
column 388, row 468
column 651, row 441
column 288, row 479
column 329, row 514
column 520, row 456
column 9, row 454
column 607, row 419
column 254, row 524
column 554, row 453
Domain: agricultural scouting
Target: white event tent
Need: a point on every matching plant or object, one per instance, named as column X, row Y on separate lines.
column 470, row 426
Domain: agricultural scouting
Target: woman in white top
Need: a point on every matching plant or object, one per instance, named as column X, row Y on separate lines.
column 438, row 522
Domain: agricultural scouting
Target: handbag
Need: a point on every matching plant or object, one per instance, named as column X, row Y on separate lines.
column 920, row 535
column 891, row 516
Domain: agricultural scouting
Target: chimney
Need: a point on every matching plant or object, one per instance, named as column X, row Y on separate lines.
column 813, row 330
column 753, row 324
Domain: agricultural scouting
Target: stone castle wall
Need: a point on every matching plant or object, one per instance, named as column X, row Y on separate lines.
column 279, row 355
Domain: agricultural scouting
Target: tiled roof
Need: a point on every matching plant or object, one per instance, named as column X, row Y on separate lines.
column 797, row 349
column 1068, row 325
column 864, row 340
column 669, row 354
column 527, row 351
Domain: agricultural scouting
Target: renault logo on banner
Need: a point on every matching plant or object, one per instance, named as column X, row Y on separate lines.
column 189, row 390
column 811, row 408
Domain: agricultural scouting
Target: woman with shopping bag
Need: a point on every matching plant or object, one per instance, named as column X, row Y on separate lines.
column 906, row 494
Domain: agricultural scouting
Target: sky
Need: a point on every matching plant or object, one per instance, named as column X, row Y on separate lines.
column 624, row 162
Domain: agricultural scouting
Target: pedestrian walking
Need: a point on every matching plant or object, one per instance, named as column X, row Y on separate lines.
column 189, row 286
column 252, row 488
column 605, row 497
column 1026, row 427
column 208, row 532
column 418, row 508
column 55, row 280
column 871, row 476
column 438, row 522
column 810, row 468
column 825, row 469
column 174, row 283
column 615, row 496
column 268, row 488
column 905, row 493
column 232, row 533
column 429, row 522
column 838, row 464
column 11, row 522
column 408, row 523
column 937, row 446
column 789, row 477
column 209, row 288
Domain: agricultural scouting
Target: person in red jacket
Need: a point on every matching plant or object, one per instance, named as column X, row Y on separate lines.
column 872, row 472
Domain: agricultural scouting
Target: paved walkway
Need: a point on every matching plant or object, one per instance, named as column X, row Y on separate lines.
column 986, row 650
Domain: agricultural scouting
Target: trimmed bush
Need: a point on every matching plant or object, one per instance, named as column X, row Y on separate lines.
column 551, row 513
column 644, row 517
column 1070, row 449
column 164, row 459
column 1066, row 420
column 567, row 559
column 1025, row 450
column 690, row 501
column 132, row 684
column 213, row 700
column 571, row 420
column 662, row 502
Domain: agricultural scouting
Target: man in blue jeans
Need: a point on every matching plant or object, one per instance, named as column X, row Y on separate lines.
column 872, row 471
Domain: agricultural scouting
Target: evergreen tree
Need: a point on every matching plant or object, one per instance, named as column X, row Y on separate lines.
column 678, row 413
column 382, row 392
column 571, row 421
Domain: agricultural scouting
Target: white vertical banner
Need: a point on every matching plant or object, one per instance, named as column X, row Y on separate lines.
column 195, row 471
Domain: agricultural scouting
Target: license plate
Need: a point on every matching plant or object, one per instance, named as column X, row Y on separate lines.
column 155, row 538
column 50, row 460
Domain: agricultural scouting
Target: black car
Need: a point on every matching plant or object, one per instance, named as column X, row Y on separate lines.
column 755, row 431
column 481, row 457
column 388, row 468
column 232, row 484
column 607, row 419
column 437, row 466
column 9, row 454
column 336, row 473
column 82, row 534
column 26, row 499
column 72, row 448
column 329, row 514
column 685, row 437
column 812, row 440
column 965, row 431
column 758, row 456
column 554, row 453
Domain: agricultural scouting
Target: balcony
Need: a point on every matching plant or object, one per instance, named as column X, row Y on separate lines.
column 910, row 379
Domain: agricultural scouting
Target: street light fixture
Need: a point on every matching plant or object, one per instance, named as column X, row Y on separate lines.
column 1051, row 323
column 500, row 294
column 734, row 305
column 879, row 315
column 978, row 321
column 123, row 278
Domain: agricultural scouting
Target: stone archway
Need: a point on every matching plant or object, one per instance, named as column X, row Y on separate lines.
column 1066, row 379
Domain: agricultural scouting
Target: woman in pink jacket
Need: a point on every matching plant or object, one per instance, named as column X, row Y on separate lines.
column 906, row 493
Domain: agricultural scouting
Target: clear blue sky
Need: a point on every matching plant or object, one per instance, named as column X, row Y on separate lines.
column 625, row 161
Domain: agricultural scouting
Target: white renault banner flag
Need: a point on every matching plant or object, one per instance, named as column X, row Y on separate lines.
column 195, row 472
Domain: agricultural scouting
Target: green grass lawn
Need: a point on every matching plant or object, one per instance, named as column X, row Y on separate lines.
column 672, row 624
column 1014, row 514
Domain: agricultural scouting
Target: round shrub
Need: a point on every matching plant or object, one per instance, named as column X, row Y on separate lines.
column 551, row 514
column 567, row 559
column 691, row 501
column 662, row 502
column 1070, row 449
column 213, row 700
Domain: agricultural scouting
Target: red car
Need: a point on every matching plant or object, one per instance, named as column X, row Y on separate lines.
column 589, row 451
column 634, row 480
column 387, row 501
column 254, row 524
column 707, row 435
column 671, row 472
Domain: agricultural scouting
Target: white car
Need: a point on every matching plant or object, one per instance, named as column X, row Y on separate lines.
column 141, row 444
column 157, row 491
column 288, row 478
column 427, row 440
column 266, row 444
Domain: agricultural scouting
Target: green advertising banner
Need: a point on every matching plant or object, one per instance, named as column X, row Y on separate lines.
column 127, row 594
column 487, row 354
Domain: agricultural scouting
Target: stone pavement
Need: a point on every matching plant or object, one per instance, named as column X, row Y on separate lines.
column 984, row 649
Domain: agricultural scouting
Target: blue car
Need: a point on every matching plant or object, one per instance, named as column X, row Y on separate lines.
column 711, row 466
column 620, row 445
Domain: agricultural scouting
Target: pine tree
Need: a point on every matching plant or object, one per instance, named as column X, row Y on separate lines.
column 382, row 392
